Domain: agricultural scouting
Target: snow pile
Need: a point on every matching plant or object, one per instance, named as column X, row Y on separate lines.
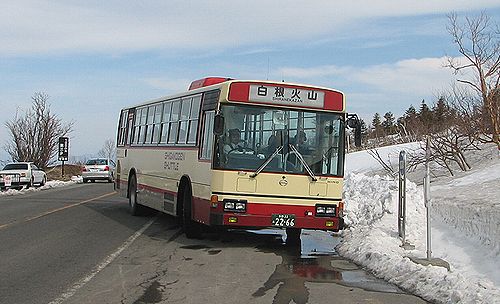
column 372, row 237
column 77, row 179
column 48, row 185
column 360, row 209
column 471, row 204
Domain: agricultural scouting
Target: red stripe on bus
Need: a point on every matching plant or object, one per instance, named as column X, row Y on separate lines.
column 201, row 206
column 190, row 148
column 259, row 215
column 268, row 209
column 155, row 189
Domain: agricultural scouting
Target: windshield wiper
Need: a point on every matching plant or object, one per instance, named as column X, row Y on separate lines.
column 329, row 152
column 303, row 162
column 268, row 160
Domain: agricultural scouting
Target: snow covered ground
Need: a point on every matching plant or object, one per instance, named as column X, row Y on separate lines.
column 48, row 185
column 465, row 229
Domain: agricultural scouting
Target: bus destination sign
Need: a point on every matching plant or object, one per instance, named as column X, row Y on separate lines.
column 286, row 95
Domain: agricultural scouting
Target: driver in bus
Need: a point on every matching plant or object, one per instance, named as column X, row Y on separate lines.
column 235, row 142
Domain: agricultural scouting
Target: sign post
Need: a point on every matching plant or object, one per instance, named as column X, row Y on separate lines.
column 63, row 152
column 402, row 195
column 429, row 260
column 402, row 202
column 427, row 196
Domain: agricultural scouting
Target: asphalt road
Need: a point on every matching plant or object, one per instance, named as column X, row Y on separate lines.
column 50, row 239
column 78, row 244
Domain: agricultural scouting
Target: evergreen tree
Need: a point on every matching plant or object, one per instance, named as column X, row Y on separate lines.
column 364, row 128
column 388, row 123
column 440, row 114
column 376, row 125
column 410, row 113
column 425, row 116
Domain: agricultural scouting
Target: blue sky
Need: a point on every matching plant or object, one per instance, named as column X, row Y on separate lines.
column 93, row 58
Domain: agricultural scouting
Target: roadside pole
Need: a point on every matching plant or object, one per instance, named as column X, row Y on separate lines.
column 429, row 260
column 427, row 196
column 402, row 202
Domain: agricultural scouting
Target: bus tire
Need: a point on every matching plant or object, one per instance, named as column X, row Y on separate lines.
column 293, row 236
column 191, row 228
column 135, row 208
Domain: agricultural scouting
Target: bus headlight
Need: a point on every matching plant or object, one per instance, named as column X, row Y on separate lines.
column 228, row 205
column 235, row 205
column 325, row 210
column 330, row 210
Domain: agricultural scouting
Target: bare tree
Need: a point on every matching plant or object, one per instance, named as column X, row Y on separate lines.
column 478, row 40
column 34, row 135
column 108, row 150
column 386, row 164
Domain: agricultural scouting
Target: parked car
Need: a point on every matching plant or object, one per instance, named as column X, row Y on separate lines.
column 21, row 174
column 98, row 169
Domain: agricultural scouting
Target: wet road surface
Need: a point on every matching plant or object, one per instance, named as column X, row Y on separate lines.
column 78, row 244
column 236, row 267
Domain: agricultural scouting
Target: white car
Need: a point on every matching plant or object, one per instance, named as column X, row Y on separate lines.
column 22, row 174
column 98, row 169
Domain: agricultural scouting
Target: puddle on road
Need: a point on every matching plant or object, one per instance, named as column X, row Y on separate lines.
column 152, row 294
column 314, row 261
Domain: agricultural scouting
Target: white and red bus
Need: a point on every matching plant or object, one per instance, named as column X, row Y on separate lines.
column 237, row 154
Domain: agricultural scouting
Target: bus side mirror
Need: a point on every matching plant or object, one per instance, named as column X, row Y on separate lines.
column 357, row 135
column 219, row 125
column 353, row 122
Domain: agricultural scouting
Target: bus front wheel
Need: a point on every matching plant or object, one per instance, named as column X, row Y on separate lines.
column 293, row 236
column 191, row 228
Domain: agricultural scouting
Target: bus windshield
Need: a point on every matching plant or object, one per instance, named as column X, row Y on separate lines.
column 280, row 141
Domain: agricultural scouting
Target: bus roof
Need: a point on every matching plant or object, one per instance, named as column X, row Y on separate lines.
column 278, row 94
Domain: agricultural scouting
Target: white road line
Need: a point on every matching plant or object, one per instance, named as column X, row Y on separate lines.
column 71, row 291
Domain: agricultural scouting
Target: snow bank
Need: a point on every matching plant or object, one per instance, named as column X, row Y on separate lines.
column 471, row 205
column 48, row 185
column 465, row 229
column 373, row 242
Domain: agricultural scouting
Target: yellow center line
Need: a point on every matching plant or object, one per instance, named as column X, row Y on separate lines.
column 55, row 210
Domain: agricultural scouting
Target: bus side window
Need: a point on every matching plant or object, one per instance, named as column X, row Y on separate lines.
column 208, row 137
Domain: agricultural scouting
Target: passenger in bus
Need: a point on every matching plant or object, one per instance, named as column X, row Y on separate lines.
column 272, row 144
column 235, row 142
column 299, row 141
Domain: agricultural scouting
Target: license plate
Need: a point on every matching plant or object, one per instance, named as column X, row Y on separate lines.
column 283, row 220
column 7, row 180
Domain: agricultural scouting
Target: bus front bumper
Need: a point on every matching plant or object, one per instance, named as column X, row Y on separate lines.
column 249, row 221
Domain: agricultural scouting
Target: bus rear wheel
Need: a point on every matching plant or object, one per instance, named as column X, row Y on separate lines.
column 134, row 207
